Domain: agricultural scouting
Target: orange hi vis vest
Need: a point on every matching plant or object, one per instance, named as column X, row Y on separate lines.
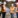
column 12, row 9
column 3, row 9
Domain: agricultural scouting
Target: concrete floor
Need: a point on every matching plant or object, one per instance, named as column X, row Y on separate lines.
column 7, row 16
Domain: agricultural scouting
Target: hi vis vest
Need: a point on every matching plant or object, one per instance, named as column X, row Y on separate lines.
column 4, row 9
column 12, row 9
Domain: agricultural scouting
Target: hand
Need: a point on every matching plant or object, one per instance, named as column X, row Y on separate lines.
column 13, row 12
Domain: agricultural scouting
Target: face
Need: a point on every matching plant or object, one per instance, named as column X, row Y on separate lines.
column 17, row 4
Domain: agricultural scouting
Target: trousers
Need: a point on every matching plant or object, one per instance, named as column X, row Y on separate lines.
column 3, row 14
column 17, row 14
column 12, row 15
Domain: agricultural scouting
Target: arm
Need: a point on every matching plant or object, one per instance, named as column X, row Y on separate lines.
column 16, row 10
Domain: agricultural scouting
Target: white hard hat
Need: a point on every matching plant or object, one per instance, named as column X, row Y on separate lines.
column 12, row 4
column 4, row 2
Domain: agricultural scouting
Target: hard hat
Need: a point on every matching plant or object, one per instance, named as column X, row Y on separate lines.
column 4, row 2
column 12, row 4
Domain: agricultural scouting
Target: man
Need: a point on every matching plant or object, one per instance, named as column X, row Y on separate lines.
column 17, row 9
column 3, row 10
column 12, row 9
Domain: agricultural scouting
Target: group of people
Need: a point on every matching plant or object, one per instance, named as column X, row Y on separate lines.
column 3, row 9
column 13, row 10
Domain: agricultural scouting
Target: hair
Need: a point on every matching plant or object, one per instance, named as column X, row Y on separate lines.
column 15, row 5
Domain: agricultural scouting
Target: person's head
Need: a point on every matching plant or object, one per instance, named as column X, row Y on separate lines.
column 12, row 5
column 4, row 3
column 17, row 4
column 1, row 4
